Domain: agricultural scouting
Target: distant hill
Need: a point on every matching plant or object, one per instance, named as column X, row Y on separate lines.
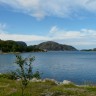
column 12, row 46
column 20, row 46
column 21, row 43
column 16, row 46
column 54, row 46
column 94, row 49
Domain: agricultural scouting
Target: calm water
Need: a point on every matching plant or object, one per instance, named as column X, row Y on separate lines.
column 78, row 67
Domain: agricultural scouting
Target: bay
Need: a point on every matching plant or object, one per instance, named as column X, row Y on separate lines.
column 75, row 66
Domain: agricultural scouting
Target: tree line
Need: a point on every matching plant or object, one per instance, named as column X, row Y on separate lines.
column 14, row 46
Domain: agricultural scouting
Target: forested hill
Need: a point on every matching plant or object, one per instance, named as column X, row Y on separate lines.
column 16, row 46
column 12, row 46
column 20, row 46
column 54, row 46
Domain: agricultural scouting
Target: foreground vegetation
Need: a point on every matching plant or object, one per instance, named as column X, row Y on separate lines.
column 48, row 88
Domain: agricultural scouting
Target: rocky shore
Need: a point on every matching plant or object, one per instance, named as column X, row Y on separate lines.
column 51, row 80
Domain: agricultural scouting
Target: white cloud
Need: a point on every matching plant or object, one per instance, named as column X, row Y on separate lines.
column 54, row 29
column 21, row 37
column 67, row 34
column 60, row 8
column 83, row 37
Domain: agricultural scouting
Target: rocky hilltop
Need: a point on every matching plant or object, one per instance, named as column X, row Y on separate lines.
column 54, row 46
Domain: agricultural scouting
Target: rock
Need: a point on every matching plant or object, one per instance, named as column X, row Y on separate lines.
column 66, row 82
column 35, row 80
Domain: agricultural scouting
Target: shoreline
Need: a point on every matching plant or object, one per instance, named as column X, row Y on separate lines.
column 65, row 82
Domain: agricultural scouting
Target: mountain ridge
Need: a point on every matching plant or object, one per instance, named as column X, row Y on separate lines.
column 54, row 46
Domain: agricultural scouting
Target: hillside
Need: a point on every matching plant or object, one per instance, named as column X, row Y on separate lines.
column 12, row 46
column 16, row 46
column 20, row 46
column 21, row 43
column 54, row 46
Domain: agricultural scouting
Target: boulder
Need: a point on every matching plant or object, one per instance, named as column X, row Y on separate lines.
column 66, row 82
column 35, row 80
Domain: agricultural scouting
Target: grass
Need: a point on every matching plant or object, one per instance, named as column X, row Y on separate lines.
column 48, row 88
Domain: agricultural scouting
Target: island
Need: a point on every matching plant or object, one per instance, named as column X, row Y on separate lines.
column 94, row 49
column 20, row 46
column 54, row 46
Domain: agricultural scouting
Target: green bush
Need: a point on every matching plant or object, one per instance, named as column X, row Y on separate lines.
column 10, row 75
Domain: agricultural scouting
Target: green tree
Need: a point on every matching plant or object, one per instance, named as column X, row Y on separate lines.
column 25, row 71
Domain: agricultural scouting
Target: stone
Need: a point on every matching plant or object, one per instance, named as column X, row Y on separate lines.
column 35, row 80
column 66, row 82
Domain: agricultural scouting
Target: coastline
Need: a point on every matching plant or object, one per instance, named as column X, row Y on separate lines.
column 46, row 87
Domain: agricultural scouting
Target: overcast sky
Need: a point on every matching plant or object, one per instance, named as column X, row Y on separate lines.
column 71, row 22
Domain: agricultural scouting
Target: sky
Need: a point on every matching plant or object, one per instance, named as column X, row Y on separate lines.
column 71, row 22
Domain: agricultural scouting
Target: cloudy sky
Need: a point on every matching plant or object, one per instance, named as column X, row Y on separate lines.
column 71, row 22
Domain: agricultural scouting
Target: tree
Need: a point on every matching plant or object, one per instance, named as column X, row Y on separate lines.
column 25, row 70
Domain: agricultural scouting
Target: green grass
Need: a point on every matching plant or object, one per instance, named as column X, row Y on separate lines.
column 48, row 88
